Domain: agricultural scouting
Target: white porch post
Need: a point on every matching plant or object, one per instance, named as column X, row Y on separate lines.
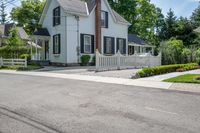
column 36, row 50
column 152, row 50
column 31, row 49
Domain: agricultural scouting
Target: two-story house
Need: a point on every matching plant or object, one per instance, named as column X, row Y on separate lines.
column 72, row 28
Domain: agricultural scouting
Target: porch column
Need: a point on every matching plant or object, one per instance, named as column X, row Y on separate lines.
column 152, row 50
column 36, row 50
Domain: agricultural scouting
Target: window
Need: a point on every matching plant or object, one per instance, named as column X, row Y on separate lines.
column 56, row 44
column 56, row 16
column 104, row 19
column 87, row 43
column 108, row 45
column 121, row 45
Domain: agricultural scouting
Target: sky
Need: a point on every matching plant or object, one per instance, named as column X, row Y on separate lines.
column 180, row 7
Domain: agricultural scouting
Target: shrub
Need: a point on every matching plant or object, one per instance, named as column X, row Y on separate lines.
column 85, row 59
column 157, row 70
column 198, row 61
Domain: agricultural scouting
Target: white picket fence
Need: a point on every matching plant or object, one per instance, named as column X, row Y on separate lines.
column 13, row 62
column 119, row 61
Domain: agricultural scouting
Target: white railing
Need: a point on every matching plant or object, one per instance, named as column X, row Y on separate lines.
column 36, row 57
column 13, row 62
column 119, row 61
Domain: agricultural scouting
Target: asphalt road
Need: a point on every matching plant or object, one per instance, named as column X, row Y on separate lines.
column 31, row 104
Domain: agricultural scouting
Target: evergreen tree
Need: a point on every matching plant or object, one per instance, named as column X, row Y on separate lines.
column 195, row 18
column 3, row 14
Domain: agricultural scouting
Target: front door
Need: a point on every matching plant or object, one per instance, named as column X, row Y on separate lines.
column 46, row 50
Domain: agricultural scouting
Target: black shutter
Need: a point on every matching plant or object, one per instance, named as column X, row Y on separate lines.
column 53, row 17
column 82, row 43
column 59, row 46
column 124, row 46
column 117, row 45
column 106, row 13
column 113, row 45
column 104, row 45
column 58, row 17
column 53, row 44
column 92, row 45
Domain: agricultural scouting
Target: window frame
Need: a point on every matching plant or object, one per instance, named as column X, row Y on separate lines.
column 84, row 43
column 112, row 44
column 122, row 51
column 56, row 16
column 105, row 19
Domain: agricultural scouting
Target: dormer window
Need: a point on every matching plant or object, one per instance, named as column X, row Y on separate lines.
column 56, row 16
column 104, row 19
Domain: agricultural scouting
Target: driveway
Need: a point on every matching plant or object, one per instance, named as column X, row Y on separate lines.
column 35, row 104
column 127, row 74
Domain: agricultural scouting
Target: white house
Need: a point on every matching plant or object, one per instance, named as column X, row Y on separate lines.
column 72, row 28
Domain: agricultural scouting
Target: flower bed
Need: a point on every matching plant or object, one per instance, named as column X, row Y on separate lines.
column 157, row 70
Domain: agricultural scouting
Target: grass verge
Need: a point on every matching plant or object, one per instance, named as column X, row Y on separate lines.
column 28, row 68
column 187, row 78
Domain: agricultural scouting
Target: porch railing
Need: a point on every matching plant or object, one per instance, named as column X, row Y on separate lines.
column 119, row 61
column 13, row 62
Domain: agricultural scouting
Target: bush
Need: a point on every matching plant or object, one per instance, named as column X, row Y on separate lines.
column 198, row 61
column 157, row 70
column 85, row 59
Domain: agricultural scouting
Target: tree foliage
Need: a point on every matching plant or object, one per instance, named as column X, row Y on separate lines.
column 3, row 14
column 28, row 14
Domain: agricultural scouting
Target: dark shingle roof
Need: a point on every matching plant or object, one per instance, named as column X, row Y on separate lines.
column 41, row 32
column 81, row 8
column 132, row 38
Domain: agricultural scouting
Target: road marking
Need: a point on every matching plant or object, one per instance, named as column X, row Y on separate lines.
column 162, row 111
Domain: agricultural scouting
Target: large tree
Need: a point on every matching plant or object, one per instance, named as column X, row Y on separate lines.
column 28, row 14
column 195, row 18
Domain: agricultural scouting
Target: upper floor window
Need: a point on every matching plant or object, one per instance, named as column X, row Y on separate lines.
column 56, row 16
column 104, row 19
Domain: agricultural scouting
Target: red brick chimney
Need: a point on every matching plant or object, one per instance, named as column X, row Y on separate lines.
column 98, row 25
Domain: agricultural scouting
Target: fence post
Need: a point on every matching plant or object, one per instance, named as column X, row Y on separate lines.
column 97, row 60
column 12, row 62
column 1, row 61
column 25, row 62
column 118, row 60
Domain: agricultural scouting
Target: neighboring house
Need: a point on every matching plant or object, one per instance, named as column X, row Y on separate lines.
column 5, row 33
column 197, row 30
column 72, row 28
column 138, row 46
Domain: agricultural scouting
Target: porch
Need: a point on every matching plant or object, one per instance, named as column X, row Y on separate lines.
column 40, row 38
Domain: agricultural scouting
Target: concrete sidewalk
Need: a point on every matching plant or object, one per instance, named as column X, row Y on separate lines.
column 150, row 82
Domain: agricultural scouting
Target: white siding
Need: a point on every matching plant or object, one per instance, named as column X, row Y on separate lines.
column 114, row 30
column 68, row 30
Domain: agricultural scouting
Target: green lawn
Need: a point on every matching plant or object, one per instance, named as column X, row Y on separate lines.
column 29, row 68
column 188, row 78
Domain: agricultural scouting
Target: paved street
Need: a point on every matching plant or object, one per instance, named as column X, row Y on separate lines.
column 35, row 104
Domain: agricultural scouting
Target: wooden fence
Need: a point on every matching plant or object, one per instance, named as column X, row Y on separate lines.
column 13, row 62
column 119, row 61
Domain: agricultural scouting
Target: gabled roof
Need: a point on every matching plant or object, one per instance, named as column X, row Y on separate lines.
column 132, row 38
column 5, row 31
column 81, row 8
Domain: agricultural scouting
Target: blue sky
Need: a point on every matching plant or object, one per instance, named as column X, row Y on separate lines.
column 180, row 7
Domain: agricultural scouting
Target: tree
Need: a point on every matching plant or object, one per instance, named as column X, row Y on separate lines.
column 28, row 14
column 3, row 14
column 195, row 18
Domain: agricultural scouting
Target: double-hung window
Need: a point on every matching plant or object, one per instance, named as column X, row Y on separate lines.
column 109, row 45
column 87, row 43
column 121, row 45
column 56, row 44
column 104, row 19
column 56, row 16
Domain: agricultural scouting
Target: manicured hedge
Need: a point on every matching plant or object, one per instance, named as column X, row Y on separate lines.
column 157, row 70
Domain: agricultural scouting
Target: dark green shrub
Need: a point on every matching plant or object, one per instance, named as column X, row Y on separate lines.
column 157, row 70
column 85, row 59
column 198, row 61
